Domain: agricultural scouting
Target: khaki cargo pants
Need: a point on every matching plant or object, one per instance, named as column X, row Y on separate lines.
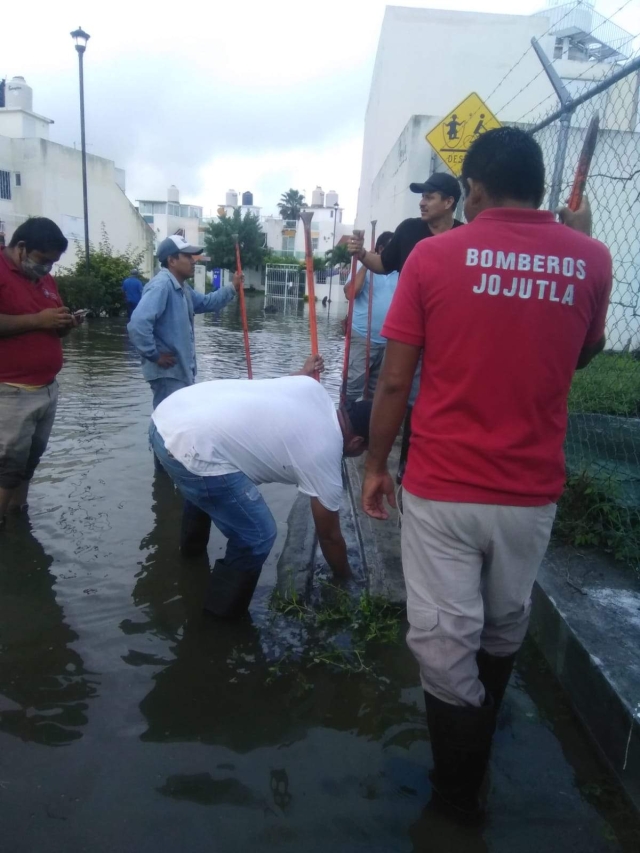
column 26, row 419
column 469, row 571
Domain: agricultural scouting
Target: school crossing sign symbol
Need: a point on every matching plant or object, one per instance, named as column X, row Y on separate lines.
column 452, row 138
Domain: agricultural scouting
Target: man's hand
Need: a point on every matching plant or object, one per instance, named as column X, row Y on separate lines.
column 374, row 490
column 355, row 245
column 55, row 319
column 314, row 364
column 580, row 219
column 165, row 360
column 238, row 281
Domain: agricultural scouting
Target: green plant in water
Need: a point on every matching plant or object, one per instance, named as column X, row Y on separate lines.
column 367, row 619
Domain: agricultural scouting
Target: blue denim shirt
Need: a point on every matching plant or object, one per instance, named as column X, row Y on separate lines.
column 163, row 322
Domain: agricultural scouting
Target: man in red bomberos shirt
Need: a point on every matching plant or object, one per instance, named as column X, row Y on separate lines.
column 32, row 321
column 506, row 309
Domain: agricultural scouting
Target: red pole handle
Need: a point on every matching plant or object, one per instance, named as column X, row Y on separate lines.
column 584, row 164
column 243, row 314
column 306, row 217
column 347, row 340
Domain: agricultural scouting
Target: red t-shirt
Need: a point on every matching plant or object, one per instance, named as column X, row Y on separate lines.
column 503, row 308
column 32, row 358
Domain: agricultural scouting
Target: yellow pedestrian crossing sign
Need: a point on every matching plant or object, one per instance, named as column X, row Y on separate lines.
column 452, row 138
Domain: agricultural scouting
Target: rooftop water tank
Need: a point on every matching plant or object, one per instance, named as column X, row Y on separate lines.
column 331, row 199
column 173, row 194
column 247, row 199
column 317, row 197
column 18, row 95
column 231, row 198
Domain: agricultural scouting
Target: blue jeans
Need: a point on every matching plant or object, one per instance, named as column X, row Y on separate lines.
column 233, row 503
column 163, row 388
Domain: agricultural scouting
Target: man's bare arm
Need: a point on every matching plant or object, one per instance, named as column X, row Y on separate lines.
column 330, row 538
column 361, row 276
column 51, row 319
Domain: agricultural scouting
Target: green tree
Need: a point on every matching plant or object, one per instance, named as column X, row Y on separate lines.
column 291, row 204
column 99, row 288
column 338, row 256
column 220, row 244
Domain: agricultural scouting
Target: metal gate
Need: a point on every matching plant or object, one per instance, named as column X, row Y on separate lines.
column 283, row 287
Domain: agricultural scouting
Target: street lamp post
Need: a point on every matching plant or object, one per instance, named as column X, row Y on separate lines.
column 81, row 38
column 335, row 222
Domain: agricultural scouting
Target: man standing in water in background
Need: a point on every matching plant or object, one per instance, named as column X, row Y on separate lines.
column 161, row 326
column 32, row 321
column 132, row 289
column 505, row 310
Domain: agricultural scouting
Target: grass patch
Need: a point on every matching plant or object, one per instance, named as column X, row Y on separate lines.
column 342, row 628
column 591, row 515
column 610, row 385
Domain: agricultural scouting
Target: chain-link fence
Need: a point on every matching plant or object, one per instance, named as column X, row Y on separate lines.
column 602, row 502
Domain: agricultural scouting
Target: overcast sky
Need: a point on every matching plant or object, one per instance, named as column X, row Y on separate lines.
column 212, row 95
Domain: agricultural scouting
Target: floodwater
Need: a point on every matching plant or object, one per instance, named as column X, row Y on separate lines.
column 129, row 722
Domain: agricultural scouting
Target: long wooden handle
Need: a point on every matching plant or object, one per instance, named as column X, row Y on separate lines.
column 584, row 163
column 243, row 314
column 311, row 290
column 347, row 340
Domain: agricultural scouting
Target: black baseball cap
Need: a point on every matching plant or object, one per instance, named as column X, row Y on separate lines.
column 439, row 182
column 360, row 415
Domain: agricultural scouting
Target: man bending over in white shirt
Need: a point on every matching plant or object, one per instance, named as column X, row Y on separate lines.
column 219, row 440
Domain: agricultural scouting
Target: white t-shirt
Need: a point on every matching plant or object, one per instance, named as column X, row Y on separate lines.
column 273, row 430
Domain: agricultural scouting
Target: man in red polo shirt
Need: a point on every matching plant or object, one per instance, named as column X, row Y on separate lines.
column 505, row 309
column 32, row 321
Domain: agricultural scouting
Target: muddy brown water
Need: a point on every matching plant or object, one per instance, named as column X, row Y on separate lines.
column 129, row 723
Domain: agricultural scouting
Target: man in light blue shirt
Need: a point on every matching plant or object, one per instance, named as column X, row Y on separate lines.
column 384, row 286
column 161, row 327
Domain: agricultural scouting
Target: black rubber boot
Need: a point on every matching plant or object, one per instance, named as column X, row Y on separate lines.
column 461, row 746
column 494, row 672
column 230, row 591
column 195, row 531
column 404, row 449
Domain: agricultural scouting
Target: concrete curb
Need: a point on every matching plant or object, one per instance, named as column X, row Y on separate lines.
column 594, row 651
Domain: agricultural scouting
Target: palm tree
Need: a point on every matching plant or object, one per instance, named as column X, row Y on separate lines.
column 339, row 257
column 291, row 204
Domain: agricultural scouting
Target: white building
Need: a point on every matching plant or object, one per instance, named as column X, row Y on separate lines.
column 286, row 237
column 42, row 178
column 474, row 52
column 170, row 216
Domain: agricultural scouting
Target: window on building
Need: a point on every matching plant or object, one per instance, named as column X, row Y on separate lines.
column 145, row 207
column 314, row 244
column 148, row 217
column 173, row 209
column 159, row 207
column 5, row 185
column 18, row 179
column 288, row 244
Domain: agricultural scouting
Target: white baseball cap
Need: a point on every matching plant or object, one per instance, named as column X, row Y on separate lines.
column 174, row 245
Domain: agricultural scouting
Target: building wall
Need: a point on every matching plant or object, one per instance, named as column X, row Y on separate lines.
column 52, row 187
column 429, row 60
column 164, row 225
column 20, row 124
column 321, row 229
column 475, row 52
